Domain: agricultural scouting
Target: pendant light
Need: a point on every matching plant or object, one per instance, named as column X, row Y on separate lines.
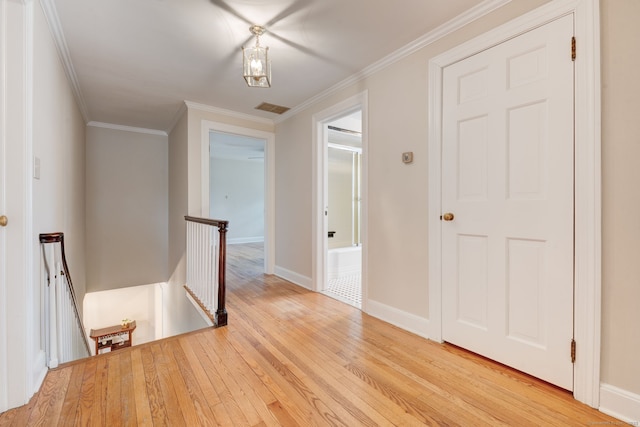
column 255, row 61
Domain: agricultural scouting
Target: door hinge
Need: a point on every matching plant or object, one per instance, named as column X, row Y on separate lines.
column 573, row 48
column 573, row 351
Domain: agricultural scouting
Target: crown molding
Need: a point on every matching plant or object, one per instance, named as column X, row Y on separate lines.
column 51, row 14
column 127, row 128
column 176, row 117
column 432, row 36
column 228, row 113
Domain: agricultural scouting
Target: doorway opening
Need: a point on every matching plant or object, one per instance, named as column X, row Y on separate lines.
column 236, row 188
column 238, row 185
column 342, row 116
column 344, row 182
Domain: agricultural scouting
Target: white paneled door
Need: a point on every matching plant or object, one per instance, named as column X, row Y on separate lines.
column 508, row 181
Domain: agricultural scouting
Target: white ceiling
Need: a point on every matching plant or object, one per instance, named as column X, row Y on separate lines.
column 134, row 62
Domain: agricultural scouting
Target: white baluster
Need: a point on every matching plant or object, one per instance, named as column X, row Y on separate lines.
column 53, row 318
column 203, row 253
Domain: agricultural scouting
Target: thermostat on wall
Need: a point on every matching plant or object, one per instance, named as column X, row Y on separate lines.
column 407, row 157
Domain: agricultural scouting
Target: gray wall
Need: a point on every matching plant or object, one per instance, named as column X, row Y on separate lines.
column 237, row 195
column 127, row 208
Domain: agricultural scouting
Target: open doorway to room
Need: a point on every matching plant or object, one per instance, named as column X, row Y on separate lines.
column 238, row 185
column 344, row 181
column 347, row 122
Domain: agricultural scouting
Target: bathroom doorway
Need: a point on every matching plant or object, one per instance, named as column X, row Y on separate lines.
column 343, row 279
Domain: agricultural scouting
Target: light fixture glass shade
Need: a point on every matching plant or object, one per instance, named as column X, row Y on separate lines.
column 256, row 66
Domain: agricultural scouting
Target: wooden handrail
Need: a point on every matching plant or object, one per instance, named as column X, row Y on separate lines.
column 221, row 310
column 59, row 238
column 208, row 221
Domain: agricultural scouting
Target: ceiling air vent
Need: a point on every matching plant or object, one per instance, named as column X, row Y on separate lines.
column 272, row 108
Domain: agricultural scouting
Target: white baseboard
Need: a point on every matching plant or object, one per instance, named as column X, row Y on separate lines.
column 294, row 277
column 410, row 322
column 40, row 370
column 620, row 403
column 241, row 240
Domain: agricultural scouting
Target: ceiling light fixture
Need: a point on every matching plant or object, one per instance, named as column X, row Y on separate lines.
column 255, row 61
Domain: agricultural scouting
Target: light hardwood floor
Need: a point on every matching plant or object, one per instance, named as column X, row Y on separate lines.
column 295, row 358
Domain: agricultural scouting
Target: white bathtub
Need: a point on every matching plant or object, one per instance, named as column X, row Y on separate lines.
column 344, row 261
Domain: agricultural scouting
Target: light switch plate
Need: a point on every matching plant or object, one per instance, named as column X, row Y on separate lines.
column 36, row 167
column 407, row 157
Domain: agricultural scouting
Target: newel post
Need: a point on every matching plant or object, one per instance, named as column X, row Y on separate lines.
column 221, row 312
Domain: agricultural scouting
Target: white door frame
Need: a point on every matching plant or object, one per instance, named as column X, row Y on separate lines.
column 17, row 361
column 4, row 386
column 587, row 276
column 319, row 225
column 269, row 180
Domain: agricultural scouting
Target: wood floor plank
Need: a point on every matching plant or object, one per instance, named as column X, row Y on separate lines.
column 293, row 357
column 357, row 391
column 113, row 401
column 226, row 363
column 194, row 409
column 49, row 404
column 99, row 406
column 289, row 406
column 20, row 416
column 206, row 386
column 300, row 377
column 70, row 407
column 143, row 410
column 7, row 417
column 372, row 353
column 157, row 405
column 171, row 401
column 228, row 409
column 318, row 372
column 87, row 393
column 248, row 386
column 128, row 409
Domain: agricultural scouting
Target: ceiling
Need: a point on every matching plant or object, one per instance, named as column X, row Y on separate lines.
column 134, row 63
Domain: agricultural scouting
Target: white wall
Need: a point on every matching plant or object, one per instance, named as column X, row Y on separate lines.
column 127, row 208
column 178, row 175
column 397, row 193
column 59, row 136
column 58, row 142
column 620, row 199
column 340, row 182
column 140, row 303
column 178, row 314
column 43, row 120
column 237, row 195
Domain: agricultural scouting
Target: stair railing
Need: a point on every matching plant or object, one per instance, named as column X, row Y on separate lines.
column 65, row 337
column 206, row 266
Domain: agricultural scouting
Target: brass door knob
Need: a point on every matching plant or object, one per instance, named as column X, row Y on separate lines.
column 448, row 216
column 3, row 221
